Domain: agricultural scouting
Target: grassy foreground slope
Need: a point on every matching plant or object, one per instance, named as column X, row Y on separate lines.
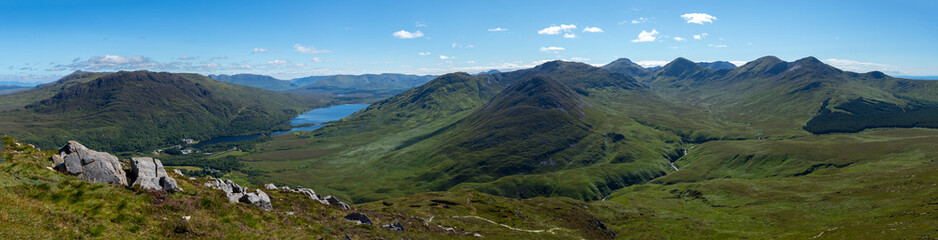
column 41, row 203
column 141, row 110
column 889, row 194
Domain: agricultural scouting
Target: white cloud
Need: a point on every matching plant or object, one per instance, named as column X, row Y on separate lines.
column 716, row 46
column 857, row 66
column 738, row 63
column 276, row 62
column 701, row 36
column 552, row 49
column 259, row 50
column 423, row 53
column 420, row 24
column 569, row 35
column 579, row 59
column 554, row 30
column 647, row 36
column 407, row 35
column 187, row 58
column 648, row 64
column 317, row 59
column 698, row 18
column 498, row 29
column 679, row 39
column 311, row 50
column 442, row 57
column 471, row 62
column 457, row 45
column 593, row 29
column 639, row 20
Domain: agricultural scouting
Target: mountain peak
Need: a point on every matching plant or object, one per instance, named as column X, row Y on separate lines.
column 627, row 67
column 679, row 67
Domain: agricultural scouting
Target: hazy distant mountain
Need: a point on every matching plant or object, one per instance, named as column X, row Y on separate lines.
column 258, row 81
column 384, row 81
column 488, row 72
column 717, row 65
column 7, row 89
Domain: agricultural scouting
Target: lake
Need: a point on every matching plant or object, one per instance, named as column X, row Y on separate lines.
column 315, row 116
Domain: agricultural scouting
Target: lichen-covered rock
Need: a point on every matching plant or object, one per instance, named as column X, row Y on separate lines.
column 270, row 186
column 89, row 165
column 148, row 173
column 309, row 193
column 257, row 198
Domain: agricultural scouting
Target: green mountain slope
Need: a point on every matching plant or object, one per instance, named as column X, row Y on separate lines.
column 559, row 129
column 258, row 81
column 137, row 111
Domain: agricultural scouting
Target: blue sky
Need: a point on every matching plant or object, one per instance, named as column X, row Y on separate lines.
column 43, row 40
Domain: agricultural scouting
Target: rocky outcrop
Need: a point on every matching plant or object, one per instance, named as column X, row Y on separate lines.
column 329, row 200
column 148, row 173
column 359, row 218
column 232, row 190
column 397, row 227
column 335, row 202
column 270, row 186
column 89, row 165
column 237, row 193
column 257, row 198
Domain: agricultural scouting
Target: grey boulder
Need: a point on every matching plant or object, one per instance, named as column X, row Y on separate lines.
column 270, row 186
column 232, row 190
column 257, row 198
column 148, row 173
column 89, row 165
column 359, row 218
column 335, row 202
column 397, row 227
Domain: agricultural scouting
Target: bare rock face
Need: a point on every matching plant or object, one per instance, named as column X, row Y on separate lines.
column 359, row 218
column 148, row 173
column 89, row 165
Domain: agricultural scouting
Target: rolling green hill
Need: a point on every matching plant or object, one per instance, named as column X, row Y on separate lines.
column 141, row 110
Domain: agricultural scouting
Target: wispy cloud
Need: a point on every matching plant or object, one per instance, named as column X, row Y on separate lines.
column 701, row 36
column 717, row 46
column 259, row 50
column 698, row 18
column 647, row 36
column 498, row 29
column 443, row 57
column 423, row 53
column 554, row 30
column 639, row 20
column 679, row 39
column 276, row 62
column 407, row 35
column 420, row 24
column 593, row 30
column 552, row 49
column 858, row 66
column 317, row 60
column 569, row 35
column 310, row 50
column 186, row 58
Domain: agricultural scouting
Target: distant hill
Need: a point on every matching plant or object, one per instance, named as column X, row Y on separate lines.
column 7, row 89
column 141, row 110
column 717, row 65
column 258, row 81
